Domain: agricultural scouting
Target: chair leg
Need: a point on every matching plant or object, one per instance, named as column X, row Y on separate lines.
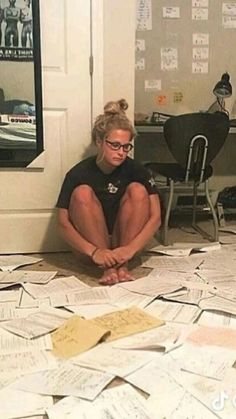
column 215, row 219
column 167, row 214
column 195, row 185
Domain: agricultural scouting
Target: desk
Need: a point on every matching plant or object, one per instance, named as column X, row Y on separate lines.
column 150, row 145
column 148, row 128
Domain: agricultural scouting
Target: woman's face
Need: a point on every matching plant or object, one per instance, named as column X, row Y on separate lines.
column 114, row 148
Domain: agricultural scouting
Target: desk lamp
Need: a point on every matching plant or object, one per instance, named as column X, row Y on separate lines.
column 222, row 90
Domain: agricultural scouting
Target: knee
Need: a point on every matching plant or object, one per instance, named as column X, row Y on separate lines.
column 82, row 195
column 136, row 191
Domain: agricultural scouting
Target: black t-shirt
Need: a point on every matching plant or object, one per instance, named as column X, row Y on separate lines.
column 109, row 188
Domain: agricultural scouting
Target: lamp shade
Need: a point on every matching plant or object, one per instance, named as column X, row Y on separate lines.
column 223, row 88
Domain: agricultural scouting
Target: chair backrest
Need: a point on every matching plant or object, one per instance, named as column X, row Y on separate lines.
column 210, row 130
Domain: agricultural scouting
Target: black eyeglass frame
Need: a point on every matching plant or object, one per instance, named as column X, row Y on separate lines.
column 115, row 146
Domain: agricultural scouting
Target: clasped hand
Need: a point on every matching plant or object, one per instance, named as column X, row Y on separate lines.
column 107, row 258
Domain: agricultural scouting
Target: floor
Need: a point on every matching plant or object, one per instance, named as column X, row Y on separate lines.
column 66, row 264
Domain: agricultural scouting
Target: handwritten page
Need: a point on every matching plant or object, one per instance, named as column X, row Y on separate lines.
column 11, row 262
column 26, row 362
column 67, row 380
column 112, row 360
column 119, row 402
column 39, row 323
column 152, row 378
column 16, row 404
column 10, row 343
column 126, row 322
column 76, row 336
column 207, row 361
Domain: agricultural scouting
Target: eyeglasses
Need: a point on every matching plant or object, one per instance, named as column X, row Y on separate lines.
column 117, row 146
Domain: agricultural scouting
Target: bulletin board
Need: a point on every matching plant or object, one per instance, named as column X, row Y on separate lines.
column 182, row 49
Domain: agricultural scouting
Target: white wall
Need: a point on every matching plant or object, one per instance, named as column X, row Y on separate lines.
column 119, row 51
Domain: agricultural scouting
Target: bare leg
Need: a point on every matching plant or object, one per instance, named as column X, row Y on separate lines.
column 133, row 214
column 87, row 216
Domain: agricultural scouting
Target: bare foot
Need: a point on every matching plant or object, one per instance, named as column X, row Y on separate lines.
column 109, row 277
column 124, row 275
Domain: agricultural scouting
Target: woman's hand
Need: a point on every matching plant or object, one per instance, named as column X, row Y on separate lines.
column 123, row 254
column 104, row 258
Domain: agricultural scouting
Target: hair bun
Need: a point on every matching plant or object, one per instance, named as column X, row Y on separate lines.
column 112, row 108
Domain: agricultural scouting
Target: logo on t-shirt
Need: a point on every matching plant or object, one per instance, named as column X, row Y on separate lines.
column 112, row 188
column 152, row 182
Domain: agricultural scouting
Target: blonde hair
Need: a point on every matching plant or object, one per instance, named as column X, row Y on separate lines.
column 114, row 117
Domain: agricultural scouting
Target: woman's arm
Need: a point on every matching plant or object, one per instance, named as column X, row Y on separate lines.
column 101, row 257
column 71, row 235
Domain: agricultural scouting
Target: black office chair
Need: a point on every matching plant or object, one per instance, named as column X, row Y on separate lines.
column 194, row 140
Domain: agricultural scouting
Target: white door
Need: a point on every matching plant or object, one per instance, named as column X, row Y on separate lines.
column 28, row 196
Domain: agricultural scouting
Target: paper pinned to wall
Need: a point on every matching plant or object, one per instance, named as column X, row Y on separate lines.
column 152, row 85
column 200, row 3
column 200, row 38
column 171, row 12
column 169, row 59
column 229, row 22
column 140, row 45
column 140, row 64
column 143, row 15
column 199, row 13
column 201, row 53
column 229, row 9
column 200, row 67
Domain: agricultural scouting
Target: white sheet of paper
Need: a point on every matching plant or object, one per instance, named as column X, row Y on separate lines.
column 90, row 311
column 7, row 311
column 151, row 286
column 115, row 361
column 26, row 362
column 119, row 402
column 177, row 264
column 37, row 277
column 93, row 295
column 10, row 343
column 39, row 323
column 124, row 298
column 207, row 361
column 11, row 262
column 27, row 301
column 173, row 312
column 211, row 318
column 143, row 15
column 9, row 295
column 66, row 380
column 63, row 285
column 164, row 337
column 19, row 404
